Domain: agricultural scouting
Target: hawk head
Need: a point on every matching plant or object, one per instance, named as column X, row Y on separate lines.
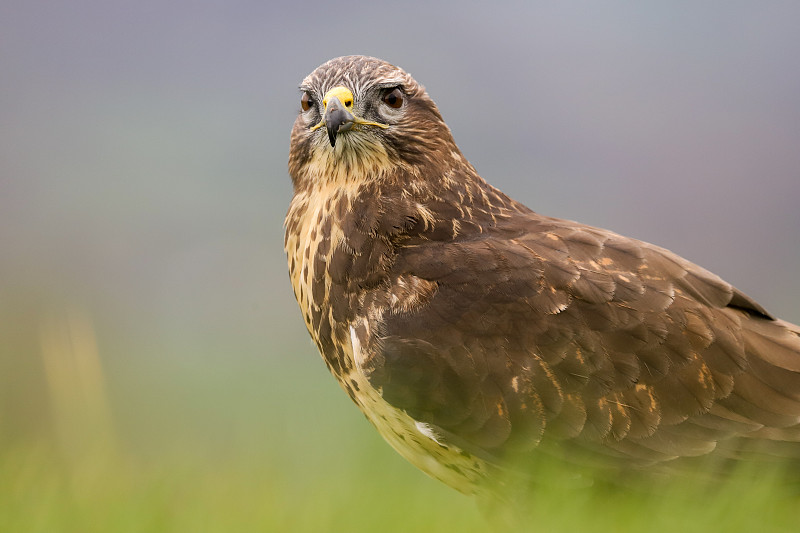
column 362, row 118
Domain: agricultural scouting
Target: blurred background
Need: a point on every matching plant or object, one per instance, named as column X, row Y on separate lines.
column 155, row 373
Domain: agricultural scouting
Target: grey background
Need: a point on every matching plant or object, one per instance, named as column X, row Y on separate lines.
column 143, row 177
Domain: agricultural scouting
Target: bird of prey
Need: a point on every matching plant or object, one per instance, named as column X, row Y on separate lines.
column 474, row 333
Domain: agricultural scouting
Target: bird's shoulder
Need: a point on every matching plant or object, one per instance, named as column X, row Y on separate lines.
column 533, row 327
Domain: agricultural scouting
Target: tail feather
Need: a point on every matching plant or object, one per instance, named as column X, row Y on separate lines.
column 767, row 393
column 776, row 342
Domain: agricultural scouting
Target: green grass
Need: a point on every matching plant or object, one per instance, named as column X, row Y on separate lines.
column 361, row 489
column 144, row 442
column 186, row 493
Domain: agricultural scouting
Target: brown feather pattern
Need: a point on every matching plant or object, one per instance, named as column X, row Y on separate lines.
column 440, row 303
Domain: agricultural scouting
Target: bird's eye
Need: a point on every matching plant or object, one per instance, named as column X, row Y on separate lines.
column 394, row 98
column 306, row 102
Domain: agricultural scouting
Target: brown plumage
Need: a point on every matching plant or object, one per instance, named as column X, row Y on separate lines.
column 473, row 332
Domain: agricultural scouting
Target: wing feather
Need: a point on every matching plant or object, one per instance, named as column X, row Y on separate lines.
column 559, row 331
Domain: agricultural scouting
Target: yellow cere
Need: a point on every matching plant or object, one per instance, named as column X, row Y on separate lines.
column 345, row 96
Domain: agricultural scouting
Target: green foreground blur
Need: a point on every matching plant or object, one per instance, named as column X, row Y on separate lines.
column 268, row 445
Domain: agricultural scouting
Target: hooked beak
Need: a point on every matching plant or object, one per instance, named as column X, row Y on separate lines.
column 338, row 117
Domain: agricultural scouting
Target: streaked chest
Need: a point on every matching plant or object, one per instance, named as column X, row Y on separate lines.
column 312, row 235
column 314, row 241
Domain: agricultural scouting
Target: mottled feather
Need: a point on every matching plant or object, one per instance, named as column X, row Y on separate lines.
column 472, row 330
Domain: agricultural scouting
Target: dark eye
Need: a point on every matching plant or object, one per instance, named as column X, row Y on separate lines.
column 306, row 102
column 394, row 98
